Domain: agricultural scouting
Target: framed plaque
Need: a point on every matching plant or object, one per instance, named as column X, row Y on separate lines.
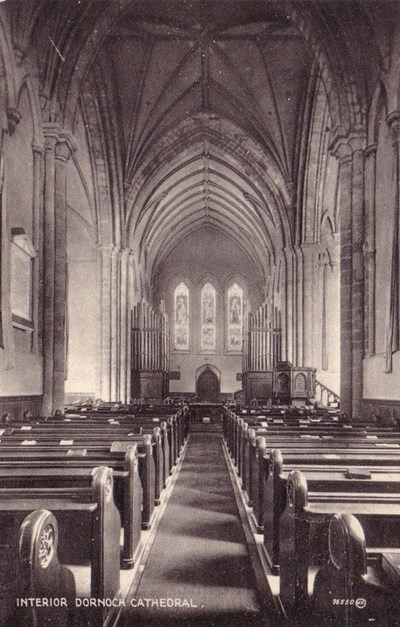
column 22, row 255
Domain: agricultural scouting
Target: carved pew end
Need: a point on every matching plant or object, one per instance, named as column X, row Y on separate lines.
column 42, row 576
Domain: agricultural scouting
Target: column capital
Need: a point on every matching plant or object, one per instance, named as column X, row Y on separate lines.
column 370, row 150
column 65, row 147
column 37, row 149
column 368, row 250
column 51, row 132
column 13, row 119
column 341, row 149
column 59, row 141
column 287, row 252
column 125, row 252
column 393, row 122
column 344, row 147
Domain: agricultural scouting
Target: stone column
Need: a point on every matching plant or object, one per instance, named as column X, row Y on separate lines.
column 392, row 341
column 115, row 324
column 125, row 334
column 103, row 385
column 298, row 261
column 307, row 304
column 369, row 247
column 344, row 154
column 58, row 147
column 357, row 145
column 51, row 137
column 37, row 305
column 350, row 152
column 288, row 290
column 130, row 301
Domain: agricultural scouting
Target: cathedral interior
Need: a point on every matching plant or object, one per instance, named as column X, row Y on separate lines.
column 200, row 209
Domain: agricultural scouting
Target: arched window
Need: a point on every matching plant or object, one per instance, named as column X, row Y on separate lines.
column 181, row 317
column 235, row 318
column 208, row 316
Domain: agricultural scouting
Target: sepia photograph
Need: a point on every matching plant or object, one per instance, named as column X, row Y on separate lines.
column 199, row 313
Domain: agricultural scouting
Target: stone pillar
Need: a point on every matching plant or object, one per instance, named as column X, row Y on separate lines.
column 115, row 324
column 58, row 147
column 298, row 261
column 369, row 248
column 37, row 305
column 357, row 145
column 288, row 289
column 392, row 339
column 350, row 152
column 51, row 137
column 130, row 301
column 307, row 303
column 103, row 386
column 343, row 152
column 125, row 334
column 281, row 282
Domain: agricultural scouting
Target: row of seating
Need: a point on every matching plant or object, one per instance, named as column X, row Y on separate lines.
column 325, row 494
column 76, row 491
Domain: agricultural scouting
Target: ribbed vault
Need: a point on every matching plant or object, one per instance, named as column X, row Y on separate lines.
column 203, row 106
column 225, row 184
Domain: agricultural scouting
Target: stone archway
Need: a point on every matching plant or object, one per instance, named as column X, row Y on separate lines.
column 208, row 387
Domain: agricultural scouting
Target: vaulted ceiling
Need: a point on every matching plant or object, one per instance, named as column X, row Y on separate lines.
column 240, row 75
column 208, row 102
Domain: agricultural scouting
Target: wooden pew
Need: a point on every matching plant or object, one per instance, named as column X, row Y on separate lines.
column 359, row 585
column 88, row 535
column 42, row 472
column 81, row 441
column 304, row 532
column 29, row 567
column 315, row 451
column 170, row 431
column 329, row 478
column 132, row 460
column 234, row 435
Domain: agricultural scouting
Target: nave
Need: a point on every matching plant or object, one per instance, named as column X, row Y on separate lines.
column 199, row 553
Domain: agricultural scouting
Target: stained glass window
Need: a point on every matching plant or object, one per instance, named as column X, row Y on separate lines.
column 235, row 317
column 208, row 315
column 181, row 317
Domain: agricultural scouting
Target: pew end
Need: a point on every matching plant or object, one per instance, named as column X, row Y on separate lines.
column 41, row 574
column 354, row 589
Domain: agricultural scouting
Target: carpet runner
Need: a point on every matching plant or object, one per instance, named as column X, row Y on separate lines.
column 198, row 572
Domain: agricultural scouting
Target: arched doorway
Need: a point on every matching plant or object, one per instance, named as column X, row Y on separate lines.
column 208, row 386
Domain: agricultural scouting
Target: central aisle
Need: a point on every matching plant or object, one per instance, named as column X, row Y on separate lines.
column 199, row 556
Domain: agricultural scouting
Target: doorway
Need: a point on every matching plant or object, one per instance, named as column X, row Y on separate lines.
column 208, row 386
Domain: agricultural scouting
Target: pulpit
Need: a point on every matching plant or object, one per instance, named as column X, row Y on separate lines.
column 293, row 384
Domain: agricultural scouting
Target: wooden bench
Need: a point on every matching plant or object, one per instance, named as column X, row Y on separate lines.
column 88, row 533
column 29, row 567
column 315, row 451
column 76, row 443
column 304, row 532
column 42, row 472
column 360, row 584
column 135, row 481
column 332, row 478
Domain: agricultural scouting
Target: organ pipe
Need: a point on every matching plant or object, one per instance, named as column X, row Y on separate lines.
column 150, row 338
column 261, row 338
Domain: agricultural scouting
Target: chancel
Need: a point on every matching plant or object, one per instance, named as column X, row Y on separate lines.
column 199, row 312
